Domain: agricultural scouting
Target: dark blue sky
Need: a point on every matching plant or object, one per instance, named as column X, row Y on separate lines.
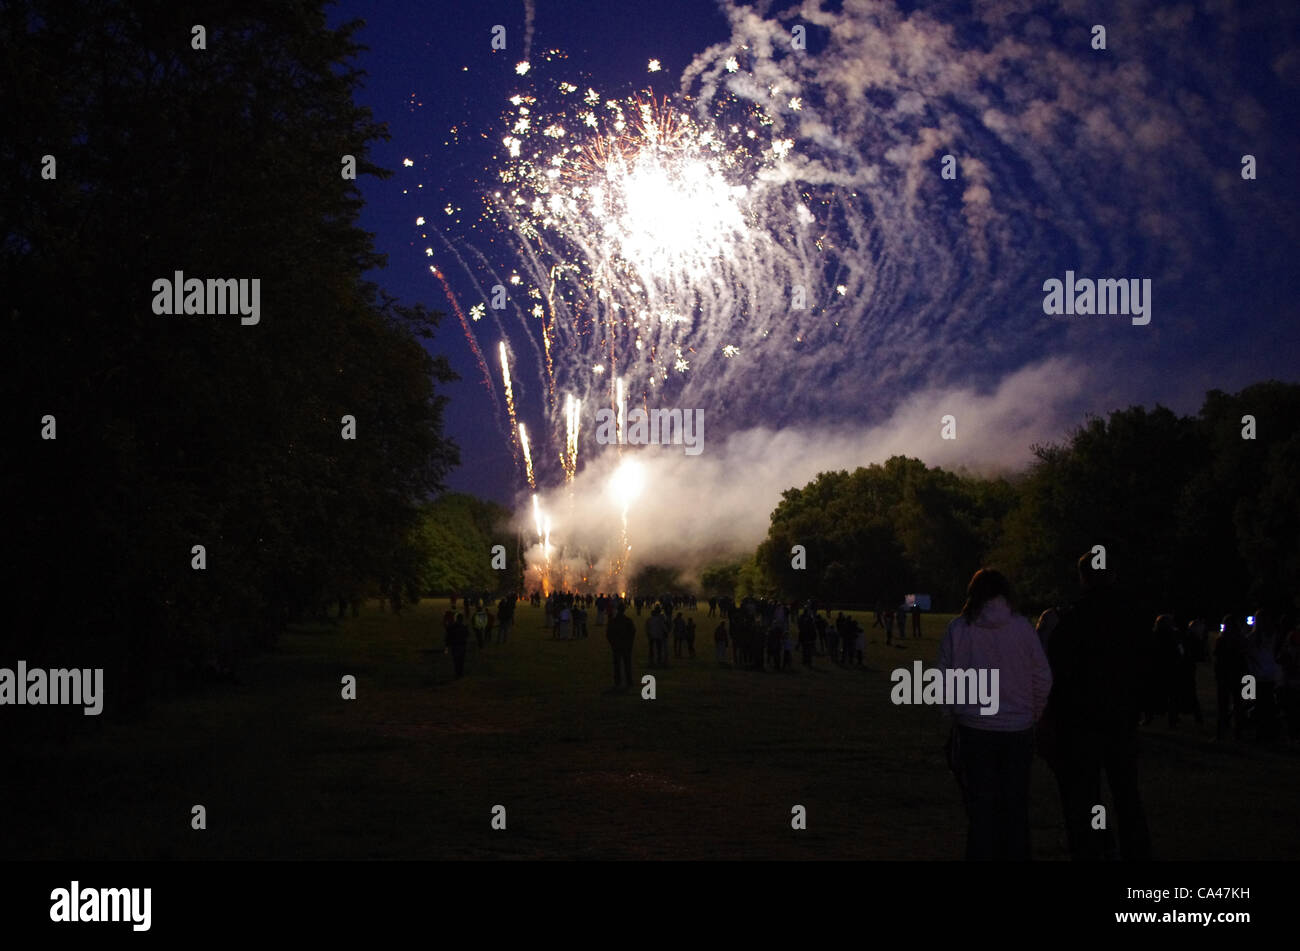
column 1140, row 180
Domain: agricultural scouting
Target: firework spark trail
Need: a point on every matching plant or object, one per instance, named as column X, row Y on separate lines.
column 575, row 435
column 572, row 428
column 546, row 553
column 473, row 344
column 497, row 279
column 528, row 458
column 619, row 406
column 537, row 517
column 625, row 485
column 481, row 309
column 530, row 14
column 510, row 400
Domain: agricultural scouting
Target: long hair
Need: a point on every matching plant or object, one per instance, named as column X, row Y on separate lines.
column 985, row 585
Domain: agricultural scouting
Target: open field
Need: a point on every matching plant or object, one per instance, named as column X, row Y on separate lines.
column 710, row 769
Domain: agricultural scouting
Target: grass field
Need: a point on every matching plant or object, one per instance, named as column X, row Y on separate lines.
column 710, row 769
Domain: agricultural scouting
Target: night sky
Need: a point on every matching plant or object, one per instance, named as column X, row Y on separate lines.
column 1122, row 163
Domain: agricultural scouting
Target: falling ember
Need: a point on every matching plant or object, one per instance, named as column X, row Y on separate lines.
column 528, row 457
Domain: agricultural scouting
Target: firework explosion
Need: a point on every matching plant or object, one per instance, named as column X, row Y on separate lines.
column 652, row 240
column 773, row 240
column 648, row 241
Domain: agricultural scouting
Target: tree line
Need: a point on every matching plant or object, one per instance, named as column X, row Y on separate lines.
column 1199, row 514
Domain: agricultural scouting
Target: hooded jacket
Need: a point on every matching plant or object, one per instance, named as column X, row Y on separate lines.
column 1003, row 641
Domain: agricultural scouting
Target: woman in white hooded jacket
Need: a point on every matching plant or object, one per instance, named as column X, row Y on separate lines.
column 993, row 746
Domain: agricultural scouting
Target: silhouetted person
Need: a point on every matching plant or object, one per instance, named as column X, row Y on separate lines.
column 737, row 631
column 1153, row 667
column 457, row 643
column 720, row 641
column 621, row 632
column 656, row 632
column 1191, row 651
column 505, row 618
column 1167, row 650
column 1229, row 668
column 1095, row 703
column 1288, row 657
column 916, row 620
column 995, row 751
column 1261, row 662
column 774, row 638
column 1046, row 625
column 754, row 642
column 807, row 637
column 1045, row 736
column 859, row 636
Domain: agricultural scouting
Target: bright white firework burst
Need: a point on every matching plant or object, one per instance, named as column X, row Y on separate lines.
column 650, row 239
column 627, row 482
column 636, row 210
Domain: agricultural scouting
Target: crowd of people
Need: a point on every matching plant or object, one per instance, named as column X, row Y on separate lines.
column 477, row 616
column 753, row 633
column 1076, row 687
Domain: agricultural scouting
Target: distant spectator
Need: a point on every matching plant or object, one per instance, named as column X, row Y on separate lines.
column 656, row 632
column 621, row 632
column 457, row 642
column 480, row 622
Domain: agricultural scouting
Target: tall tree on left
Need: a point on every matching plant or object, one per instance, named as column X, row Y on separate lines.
column 179, row 430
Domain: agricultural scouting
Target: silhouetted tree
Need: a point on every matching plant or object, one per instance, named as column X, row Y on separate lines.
column 175, row 431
